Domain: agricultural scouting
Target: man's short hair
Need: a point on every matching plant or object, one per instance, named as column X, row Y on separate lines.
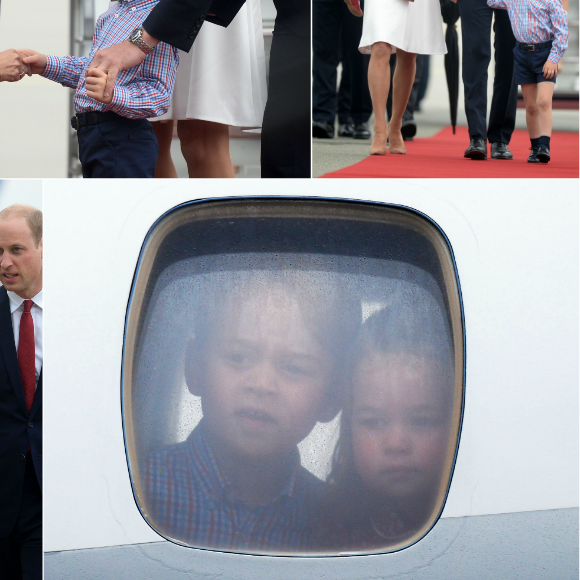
column 32, row 216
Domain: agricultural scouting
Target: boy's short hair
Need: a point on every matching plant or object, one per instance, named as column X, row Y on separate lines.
column 331, row 314
column 32, row 216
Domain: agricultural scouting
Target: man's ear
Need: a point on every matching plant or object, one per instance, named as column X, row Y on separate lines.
column 193, row 368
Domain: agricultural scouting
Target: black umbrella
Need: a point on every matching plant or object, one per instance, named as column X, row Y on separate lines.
column 450, row 13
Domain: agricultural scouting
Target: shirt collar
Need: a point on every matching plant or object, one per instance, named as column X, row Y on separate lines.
column 219, row 481
column 16, row 301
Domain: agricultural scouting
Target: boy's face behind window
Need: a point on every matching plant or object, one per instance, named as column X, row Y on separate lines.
column 262, row 375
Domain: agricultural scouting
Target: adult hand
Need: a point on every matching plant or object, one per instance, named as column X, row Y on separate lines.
column 11, row 66
column 119, row 57
column 550, row 69
column 35, row 61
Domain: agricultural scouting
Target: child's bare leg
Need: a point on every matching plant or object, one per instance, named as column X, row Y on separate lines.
column 379, row 83
column 164, row 132
column 402, row 84
column 530, row 93
column 206, row 148
column 544, row 103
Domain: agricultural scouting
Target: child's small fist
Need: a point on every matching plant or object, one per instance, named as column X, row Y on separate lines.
column 550, row 69
column 95, row 83
column 35, row 61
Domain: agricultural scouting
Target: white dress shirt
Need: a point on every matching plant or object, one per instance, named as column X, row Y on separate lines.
column 16, row 310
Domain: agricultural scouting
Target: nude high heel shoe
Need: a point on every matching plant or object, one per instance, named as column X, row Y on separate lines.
column 378, row 148
column 396, row 145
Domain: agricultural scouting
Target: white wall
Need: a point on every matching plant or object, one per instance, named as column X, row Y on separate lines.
column 517, row 257
column 34, row 112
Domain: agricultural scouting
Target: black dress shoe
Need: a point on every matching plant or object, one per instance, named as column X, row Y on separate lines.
column 477, row 148
column 408, row 130
column 533, row 158
column 345, row 129
column 543, row 154
column 322, row 129
column 500, row 151
column 361, row 131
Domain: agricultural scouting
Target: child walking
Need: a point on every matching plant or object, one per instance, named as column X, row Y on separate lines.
column 541, row 31
column 115, row 137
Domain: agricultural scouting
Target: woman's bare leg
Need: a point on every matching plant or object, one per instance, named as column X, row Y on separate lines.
column 164, row 133
column 206, row 148
column 379, row 82
column 402, row 84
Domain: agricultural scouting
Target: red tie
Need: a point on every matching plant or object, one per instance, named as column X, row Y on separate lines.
column 26, row 354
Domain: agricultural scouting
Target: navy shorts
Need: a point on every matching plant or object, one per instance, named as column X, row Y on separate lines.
column 528, row 65
column 118, row 148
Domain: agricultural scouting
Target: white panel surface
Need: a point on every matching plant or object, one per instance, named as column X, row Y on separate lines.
column 517, row 257
column 34, row 112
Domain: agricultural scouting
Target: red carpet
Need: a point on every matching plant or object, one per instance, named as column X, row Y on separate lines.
column 442, row 156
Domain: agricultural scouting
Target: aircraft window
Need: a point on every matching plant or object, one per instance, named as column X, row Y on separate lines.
column 293, row 375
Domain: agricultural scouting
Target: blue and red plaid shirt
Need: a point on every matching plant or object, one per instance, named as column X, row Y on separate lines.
column 536, row 21
column 189, row 499
column 140, row 92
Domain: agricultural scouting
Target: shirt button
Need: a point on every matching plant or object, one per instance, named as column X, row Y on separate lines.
column 133, row 9
column 116, row 16
column 31, row 425
column 191, row 35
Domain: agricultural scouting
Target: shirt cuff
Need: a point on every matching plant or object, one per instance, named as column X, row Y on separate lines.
column 53, row 68
column 554, row 57
column 120, row 100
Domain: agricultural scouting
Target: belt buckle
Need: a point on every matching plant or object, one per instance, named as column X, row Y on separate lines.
column 533, row 48
column 74, row 123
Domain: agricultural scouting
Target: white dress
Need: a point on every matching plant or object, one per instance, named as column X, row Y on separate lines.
column 411, row 26
column 223, row 77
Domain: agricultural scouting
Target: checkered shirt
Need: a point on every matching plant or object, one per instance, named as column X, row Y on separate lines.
column 140, row 92
column 535, row 21
column 189, row 499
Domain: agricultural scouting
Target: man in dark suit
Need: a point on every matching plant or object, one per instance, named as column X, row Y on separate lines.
column 476, row 25
column 20, row 393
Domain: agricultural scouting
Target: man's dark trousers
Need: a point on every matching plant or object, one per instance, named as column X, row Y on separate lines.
column 333, row 25
column 476, row 19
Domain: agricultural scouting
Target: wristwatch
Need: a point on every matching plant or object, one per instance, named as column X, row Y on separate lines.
column 136, row 39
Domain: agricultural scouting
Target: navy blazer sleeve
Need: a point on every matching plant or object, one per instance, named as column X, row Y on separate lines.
column 178, row 22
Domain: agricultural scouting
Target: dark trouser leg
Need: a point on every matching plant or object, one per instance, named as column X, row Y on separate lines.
column 326, row 18
column 476, row 18
column 424, row 80
column 287, row 129
column 125, row 148
column 410, row 109
column 358, row 67
column 393, row 64
column 28, row 532
column 10, row 559
column 344, row 98
column 502, row 116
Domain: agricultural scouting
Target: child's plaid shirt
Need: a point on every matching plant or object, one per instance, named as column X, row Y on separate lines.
column 140, row 92
column 536, row 21
column 189, row 499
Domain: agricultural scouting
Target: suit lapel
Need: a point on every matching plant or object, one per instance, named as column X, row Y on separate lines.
column 37, row 397
column 8, row 349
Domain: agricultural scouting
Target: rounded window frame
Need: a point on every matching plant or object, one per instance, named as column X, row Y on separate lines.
column 427, row 227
